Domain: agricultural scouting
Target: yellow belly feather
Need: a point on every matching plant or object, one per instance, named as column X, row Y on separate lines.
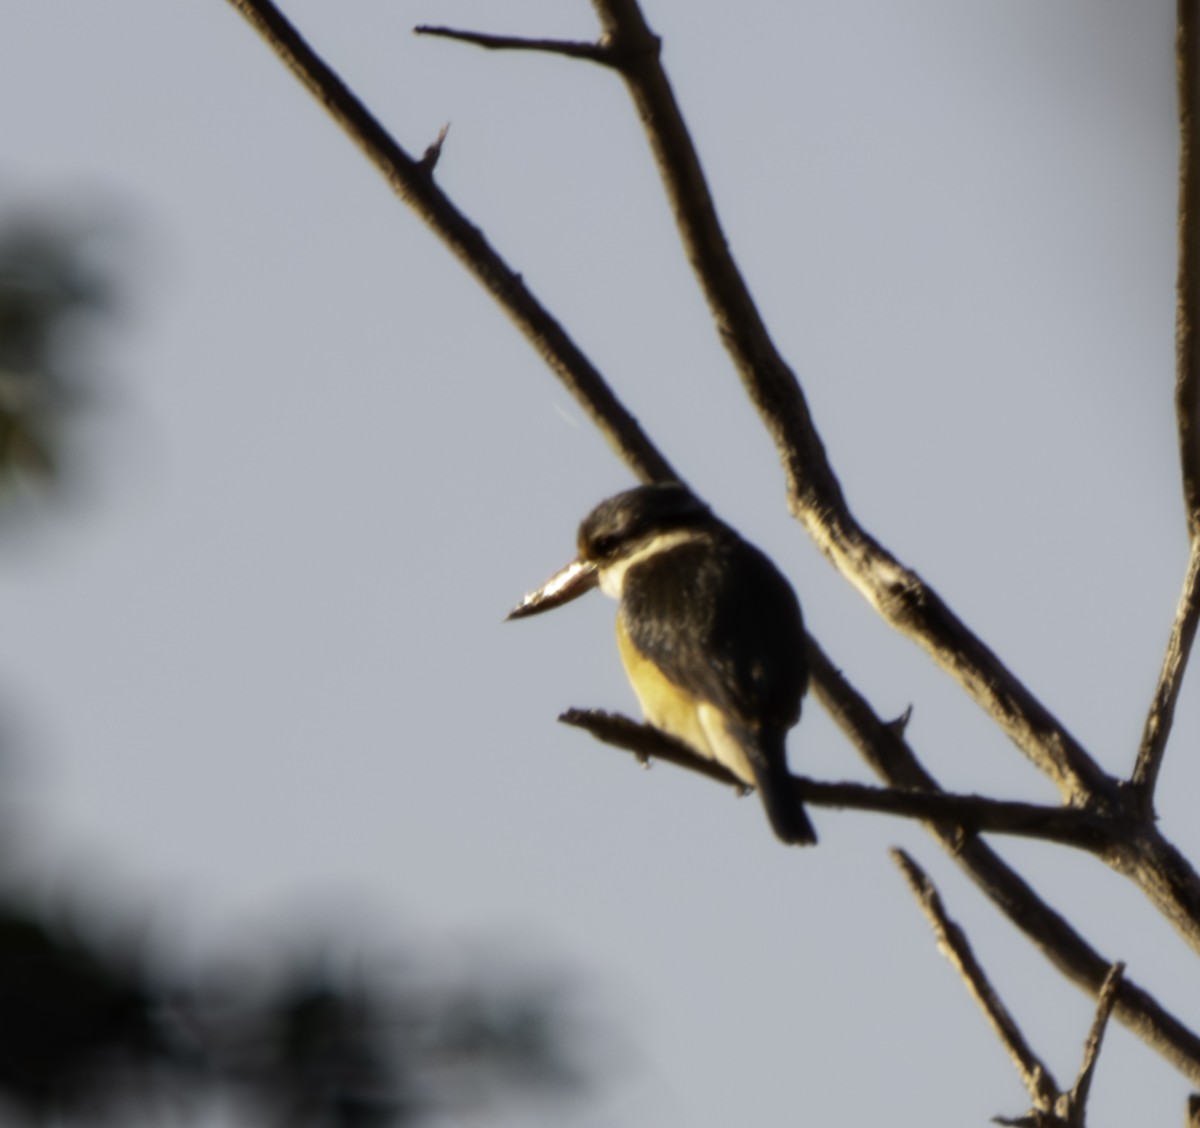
column 670, row 708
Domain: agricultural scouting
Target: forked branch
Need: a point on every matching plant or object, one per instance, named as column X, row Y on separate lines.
column 902, row 598
column 414, row 184
column 888, row 753
column 901, row 595
column 953, row 944
column 1052, row 1107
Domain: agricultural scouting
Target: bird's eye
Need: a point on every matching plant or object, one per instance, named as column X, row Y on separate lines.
column 604, row 546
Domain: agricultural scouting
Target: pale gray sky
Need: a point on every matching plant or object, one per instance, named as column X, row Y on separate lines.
column 263, row 668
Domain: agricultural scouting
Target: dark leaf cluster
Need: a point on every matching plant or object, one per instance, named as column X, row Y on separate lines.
column 98, row 1031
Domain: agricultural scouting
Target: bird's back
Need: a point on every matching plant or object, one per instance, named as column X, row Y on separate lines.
column 717, row 617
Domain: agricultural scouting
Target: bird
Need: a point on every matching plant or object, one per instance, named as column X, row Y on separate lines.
column 710, row 633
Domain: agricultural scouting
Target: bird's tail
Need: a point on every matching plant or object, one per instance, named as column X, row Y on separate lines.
column 768, row 759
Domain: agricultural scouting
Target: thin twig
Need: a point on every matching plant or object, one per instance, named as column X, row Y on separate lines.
column 433, row 153
column 1170, row 679
column 953, row 944
column 1187, row 290
column 969, row 814
column 1069, row 1110
column 1187, row 404
column 571, row 48
column 647, row 743
column 469, row 245
column 1077, row 1100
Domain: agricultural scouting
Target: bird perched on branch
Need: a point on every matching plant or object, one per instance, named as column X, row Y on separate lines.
column 709, row 631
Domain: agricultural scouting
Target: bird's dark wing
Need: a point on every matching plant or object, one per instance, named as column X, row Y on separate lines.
column 718, row 618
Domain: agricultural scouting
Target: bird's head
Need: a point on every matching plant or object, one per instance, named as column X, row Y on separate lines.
column 619, row 531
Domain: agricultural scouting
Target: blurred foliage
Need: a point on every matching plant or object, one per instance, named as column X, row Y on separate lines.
column 49, row 281
column 89, row 1033
column 67, row 1016
column 101, row 1032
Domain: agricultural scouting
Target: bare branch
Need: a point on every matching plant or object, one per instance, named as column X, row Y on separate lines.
column 1187, row 405
column 1187, row 292
column 953, row 944
column 882, row 746
column 418, row 190
column 1165, row 875
column 969, row 814
column 916, row 794
column 647, row 743
column 1056, row 938
column 1077, row 1100
column 573, row 49
column 1162, row 709
column 898, row 593
column 1069, row 1110
column 1159, row 869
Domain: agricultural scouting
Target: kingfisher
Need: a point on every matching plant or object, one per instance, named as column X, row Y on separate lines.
column 709, row 631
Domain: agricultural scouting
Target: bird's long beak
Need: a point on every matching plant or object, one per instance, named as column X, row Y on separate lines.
column 570, row 583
